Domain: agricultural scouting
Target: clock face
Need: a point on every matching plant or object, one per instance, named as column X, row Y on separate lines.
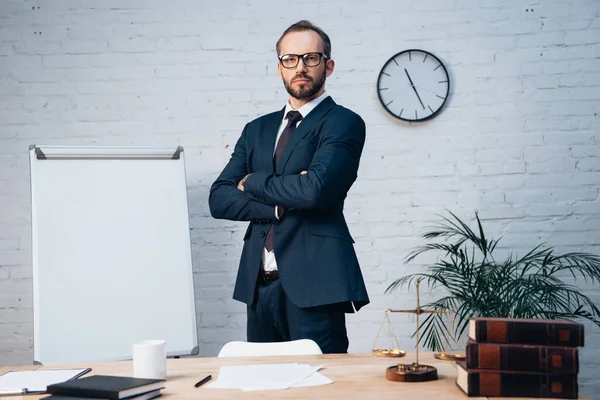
column 413, row 85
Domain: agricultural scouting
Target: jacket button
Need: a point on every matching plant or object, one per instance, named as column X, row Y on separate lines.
column 263, row 234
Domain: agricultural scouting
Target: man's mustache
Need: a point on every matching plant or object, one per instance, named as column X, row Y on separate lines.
column 302, row 77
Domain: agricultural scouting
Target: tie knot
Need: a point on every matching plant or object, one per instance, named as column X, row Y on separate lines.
column 293, row 116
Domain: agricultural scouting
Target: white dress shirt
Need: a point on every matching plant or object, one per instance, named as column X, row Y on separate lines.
column 268, row 257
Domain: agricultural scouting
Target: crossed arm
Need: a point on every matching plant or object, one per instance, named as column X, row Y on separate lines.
column 330, row 175
column 226, row 201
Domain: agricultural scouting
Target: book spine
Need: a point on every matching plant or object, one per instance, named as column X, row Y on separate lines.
column 525, row 332
column 523, row 358
column 514, row 384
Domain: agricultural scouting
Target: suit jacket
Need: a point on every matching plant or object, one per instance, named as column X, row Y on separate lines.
column 313, row 247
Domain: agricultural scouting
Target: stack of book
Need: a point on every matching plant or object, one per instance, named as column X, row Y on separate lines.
column 106, row 387
column 512, row 357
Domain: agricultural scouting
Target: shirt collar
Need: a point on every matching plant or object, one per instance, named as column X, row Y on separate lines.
column 308, row 107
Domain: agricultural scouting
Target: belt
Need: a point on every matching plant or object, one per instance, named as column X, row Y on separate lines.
column 268, row 276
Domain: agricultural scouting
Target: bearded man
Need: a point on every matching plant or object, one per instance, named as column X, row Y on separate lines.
column 289, row 175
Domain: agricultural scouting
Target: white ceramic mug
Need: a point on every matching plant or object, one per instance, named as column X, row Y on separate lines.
column 150, row 359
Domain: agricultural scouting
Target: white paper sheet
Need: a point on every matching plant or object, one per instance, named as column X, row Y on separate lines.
column 36, row 381
column 268, row 377
column 316, row 379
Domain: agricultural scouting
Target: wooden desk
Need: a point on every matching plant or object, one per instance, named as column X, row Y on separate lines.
column 355, row 376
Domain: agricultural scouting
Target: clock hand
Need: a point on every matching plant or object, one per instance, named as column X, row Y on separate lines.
column 427, row 90
column 414, row 88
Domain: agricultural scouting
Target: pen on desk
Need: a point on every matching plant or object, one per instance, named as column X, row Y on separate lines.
column 203, row 381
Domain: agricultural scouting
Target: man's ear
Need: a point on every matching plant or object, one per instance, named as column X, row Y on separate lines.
column 279, row 70
column 329, row 66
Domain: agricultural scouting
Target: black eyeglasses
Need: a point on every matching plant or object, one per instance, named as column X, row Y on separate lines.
column 309, row 59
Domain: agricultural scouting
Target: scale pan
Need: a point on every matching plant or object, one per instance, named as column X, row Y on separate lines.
column 450, row 356
column 389, row 353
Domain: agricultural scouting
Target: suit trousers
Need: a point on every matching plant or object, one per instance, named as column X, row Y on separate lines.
column 273, row 318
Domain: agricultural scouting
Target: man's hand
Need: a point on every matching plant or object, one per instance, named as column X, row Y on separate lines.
column 240, row 185
column 303, row 173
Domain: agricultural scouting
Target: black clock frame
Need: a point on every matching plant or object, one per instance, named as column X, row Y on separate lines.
column 419, row 119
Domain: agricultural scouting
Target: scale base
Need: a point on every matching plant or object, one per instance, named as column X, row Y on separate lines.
column 411, row 373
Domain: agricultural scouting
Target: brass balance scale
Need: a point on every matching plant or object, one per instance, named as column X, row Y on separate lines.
column 414, row 372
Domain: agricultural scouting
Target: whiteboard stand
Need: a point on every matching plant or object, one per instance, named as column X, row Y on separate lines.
column 111, row 252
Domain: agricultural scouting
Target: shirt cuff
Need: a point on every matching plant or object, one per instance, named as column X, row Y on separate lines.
column 279, row 212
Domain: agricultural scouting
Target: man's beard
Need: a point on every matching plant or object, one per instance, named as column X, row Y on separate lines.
column 307, row 90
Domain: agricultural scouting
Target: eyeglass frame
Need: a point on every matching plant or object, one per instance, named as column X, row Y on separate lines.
column 301, row 56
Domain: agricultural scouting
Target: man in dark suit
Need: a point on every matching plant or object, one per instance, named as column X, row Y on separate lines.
column 288, row 175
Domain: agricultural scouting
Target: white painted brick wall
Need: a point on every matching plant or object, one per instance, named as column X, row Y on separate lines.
column 518, row 140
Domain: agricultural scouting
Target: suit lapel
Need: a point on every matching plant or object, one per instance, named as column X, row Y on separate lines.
column 305, row 126
column 267, row 145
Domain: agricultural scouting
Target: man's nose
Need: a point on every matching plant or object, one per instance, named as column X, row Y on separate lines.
column 301, row 66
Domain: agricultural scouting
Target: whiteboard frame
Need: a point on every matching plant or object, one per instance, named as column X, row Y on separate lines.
column 49, row 152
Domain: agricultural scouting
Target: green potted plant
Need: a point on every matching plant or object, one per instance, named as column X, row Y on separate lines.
column 475, row 284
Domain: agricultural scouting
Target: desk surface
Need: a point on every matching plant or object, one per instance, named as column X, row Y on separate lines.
column 355, row 376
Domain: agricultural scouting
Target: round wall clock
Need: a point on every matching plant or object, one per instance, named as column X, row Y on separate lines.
column 413, row 85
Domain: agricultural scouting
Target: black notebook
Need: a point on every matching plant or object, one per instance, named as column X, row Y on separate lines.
column 145, row 396
column 106, row 387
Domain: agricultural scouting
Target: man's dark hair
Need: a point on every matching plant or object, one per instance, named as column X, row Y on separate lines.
column 307, row 26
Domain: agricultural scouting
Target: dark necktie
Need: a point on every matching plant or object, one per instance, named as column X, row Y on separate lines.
column 293, row 117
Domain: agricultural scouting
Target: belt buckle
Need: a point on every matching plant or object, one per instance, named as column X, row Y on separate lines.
column 269, row 276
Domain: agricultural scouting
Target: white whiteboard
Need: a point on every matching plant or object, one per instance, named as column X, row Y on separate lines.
column 111, row 252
